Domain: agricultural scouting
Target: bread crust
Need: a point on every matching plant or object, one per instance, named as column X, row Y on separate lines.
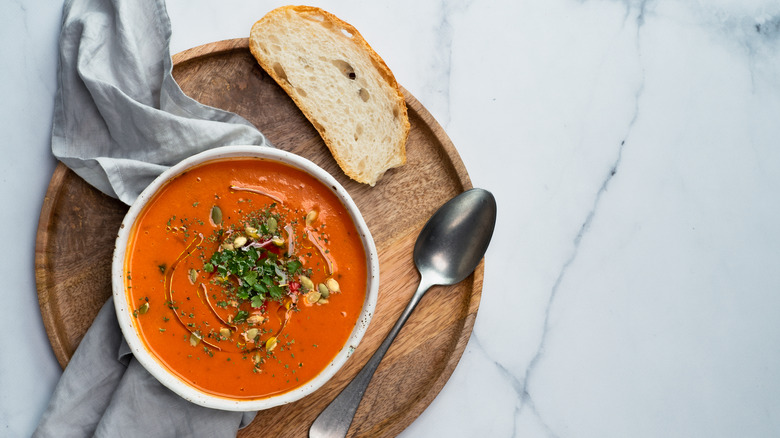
column 336, row 24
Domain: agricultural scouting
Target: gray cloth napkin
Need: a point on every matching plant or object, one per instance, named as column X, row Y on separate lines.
column 119, row 121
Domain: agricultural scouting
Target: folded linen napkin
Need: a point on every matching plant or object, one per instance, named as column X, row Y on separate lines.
column 119, row 121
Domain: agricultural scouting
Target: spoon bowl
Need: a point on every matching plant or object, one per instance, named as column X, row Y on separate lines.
column 448, row 249
column 455, row 238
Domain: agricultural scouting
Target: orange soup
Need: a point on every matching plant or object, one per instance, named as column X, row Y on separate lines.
column 246, row 277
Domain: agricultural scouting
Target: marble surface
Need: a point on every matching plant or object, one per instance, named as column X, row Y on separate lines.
column 632, row 287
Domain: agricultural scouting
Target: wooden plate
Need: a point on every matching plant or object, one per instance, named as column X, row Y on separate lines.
column 78, row 226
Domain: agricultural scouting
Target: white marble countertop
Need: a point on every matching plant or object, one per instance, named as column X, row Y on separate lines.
column 633, row 284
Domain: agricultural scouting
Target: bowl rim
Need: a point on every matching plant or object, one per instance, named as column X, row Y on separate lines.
column 124, row 314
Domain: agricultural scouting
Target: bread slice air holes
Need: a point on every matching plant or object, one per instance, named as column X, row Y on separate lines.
column 318, row 18
column 279, row 70
column 358, row 131
column 344, row 88
column 345, row 68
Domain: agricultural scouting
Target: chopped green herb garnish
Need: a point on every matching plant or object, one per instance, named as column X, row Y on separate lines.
column 241, row 316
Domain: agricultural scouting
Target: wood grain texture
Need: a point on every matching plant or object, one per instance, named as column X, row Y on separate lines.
column 78, row 226
column 73, row 249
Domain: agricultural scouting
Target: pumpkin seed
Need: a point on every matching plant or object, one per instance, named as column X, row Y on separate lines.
column 251, row 334
column 239, row 241
column 313, row 296
column 144, row 308
column 278, row 241
column 333, row 285
column 224, row 332
column 322, row 301
column 194, row 339
column 271, row 224
column 306, row 283
column 193, row 276
column 311, row 217
column 251, row 232
column 255, row 319
column 270, row 344
column 216, row 215
column 323, row 290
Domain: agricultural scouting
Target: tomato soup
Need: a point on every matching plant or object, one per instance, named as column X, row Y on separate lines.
column 245, row 277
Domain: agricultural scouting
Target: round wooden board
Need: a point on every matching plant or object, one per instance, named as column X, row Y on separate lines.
column 78, row 226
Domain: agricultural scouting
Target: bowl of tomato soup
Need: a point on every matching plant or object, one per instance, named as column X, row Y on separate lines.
column 244, row 277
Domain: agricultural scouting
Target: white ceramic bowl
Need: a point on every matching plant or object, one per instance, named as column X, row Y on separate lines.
column 124, row 310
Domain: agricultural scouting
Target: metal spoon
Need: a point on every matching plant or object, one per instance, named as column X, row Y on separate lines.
column 448, row 249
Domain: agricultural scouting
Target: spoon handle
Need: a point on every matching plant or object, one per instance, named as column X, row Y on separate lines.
column 334, row 421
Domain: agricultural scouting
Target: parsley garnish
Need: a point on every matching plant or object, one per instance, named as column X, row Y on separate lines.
column 241, row 316
column 261, row 273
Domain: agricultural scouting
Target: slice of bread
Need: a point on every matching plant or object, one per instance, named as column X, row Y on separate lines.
column 340, row 84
